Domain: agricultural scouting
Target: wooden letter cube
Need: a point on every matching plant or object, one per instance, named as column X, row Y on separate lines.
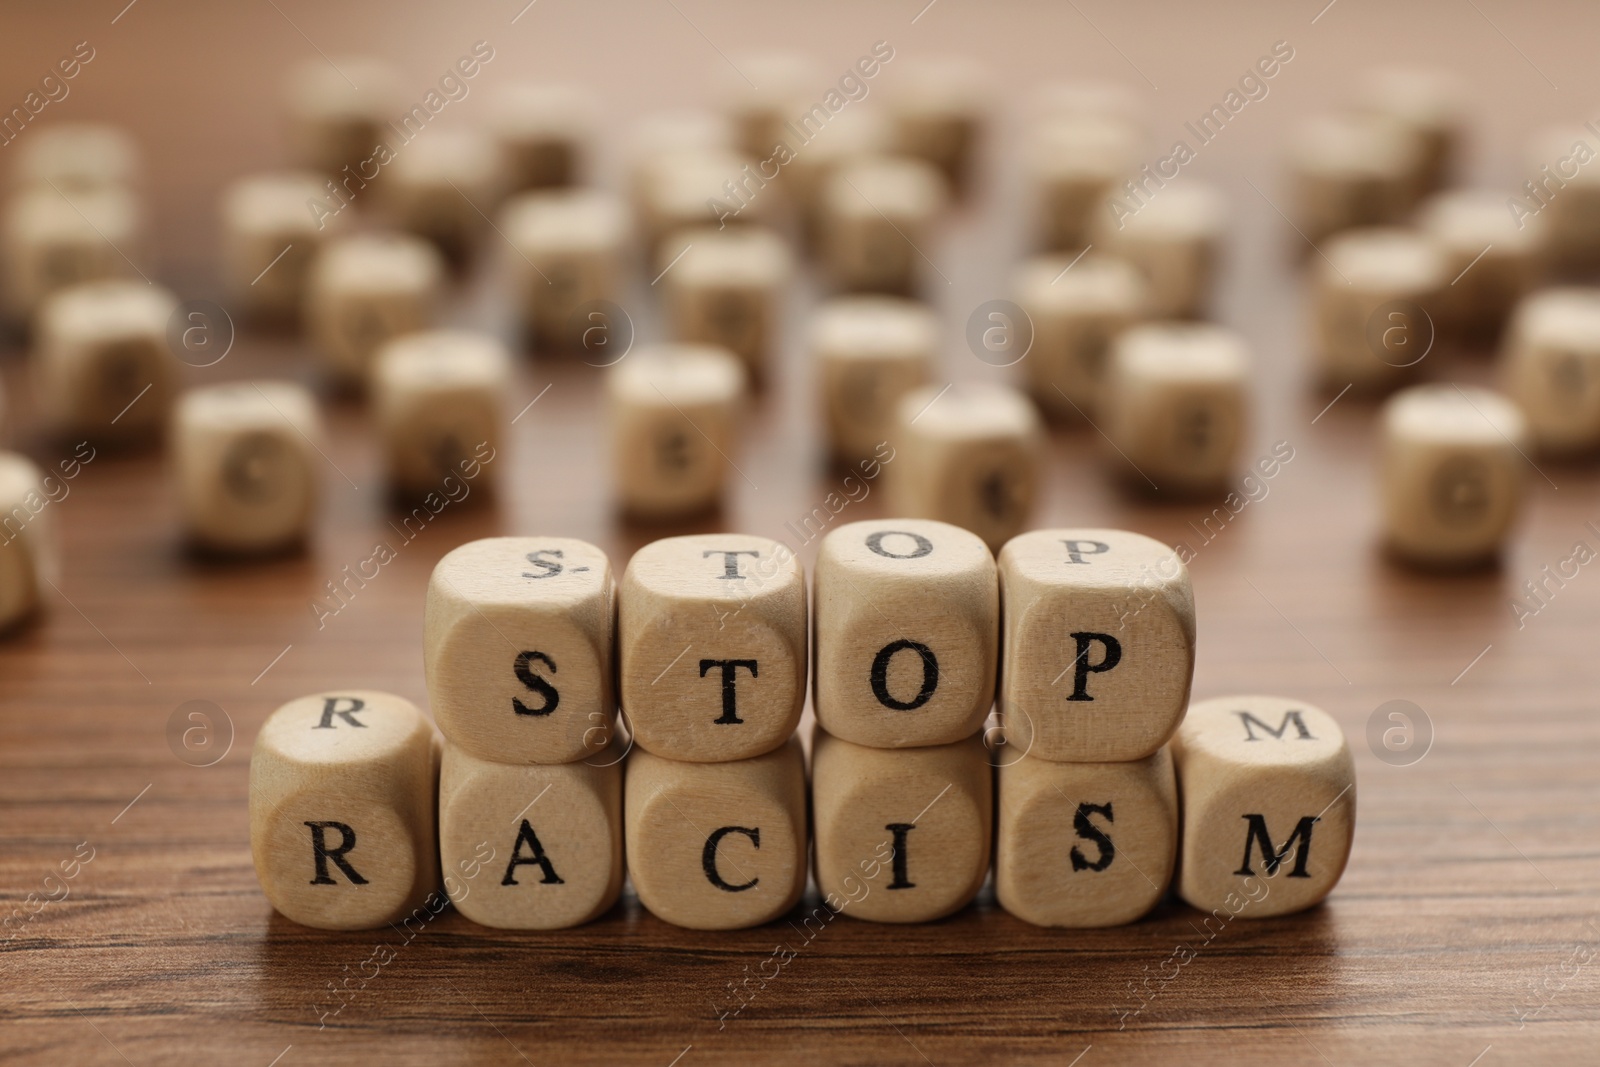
column 340, row 111
column 1350, row 170
column 1076, row 310
column 438, row 399
column 870, row 351
column 542, row 131
column 531, row 847
column 718, row 846
column 342, row 792
column 901, row 836
column 1177, row 403
column 52, row 241
column 366, row 289
column 566, row 253
column 1490, row 257
column 248, row 464
column 728, row 289
column 906, row 633
column 518, row 645
column 968, row 455
column 938, row 108
column 1429, row 106
column 672, row 411
column 689, row 190
column 1175, row 240
column 1552, row 368
column 711, row 631
column 27, row 549
column 1376, row 292
column 1098, row 631
column 269, row 239
column 1074, row 164
column 853, row 136
column 1453, row 470
column 771, row 90
column 1561, row 195
column 1269, row 805
column 877, row 223
column 103, row 367
column 1085, row 844
column 440, row 187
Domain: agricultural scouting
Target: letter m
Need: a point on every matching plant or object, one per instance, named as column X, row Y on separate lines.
column 1273, row 857
column 1283, row 724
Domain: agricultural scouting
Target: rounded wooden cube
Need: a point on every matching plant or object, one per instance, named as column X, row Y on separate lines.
column 711, row 636
column 1561, row 195
column 248, row 464
column 672, row 411
column 900, row 836
column 101, row 362
column 27, row 546
column 530, row 847
column 518, row 648
column 1552, row 368
column 1429, row 106
column 57, row 239
column 657, row 139
column 1076, row 311
column 771, row 90
column 1075, row 164
column 877, row 223
column 870, row 351
column 1098, row 629
column 340, row 111
column 1348, row 171
column 938, row 107
column 1270, row 778
column 543, row 133
column 1085, row 844
column 438, row 400
column 269, row 238
column 1376, row 293
column 906, row 633
column 1177, row 404
column 860, row 133
column 342, row 792
column 1490, row 259
column 365, row 290
column 728, row 289
column 1453, row 471
column 718, row 846
column 79, row 155
column 441, row 186
column 568, row 249
column 689, row 190
column 968, row 455
column 1175, row 241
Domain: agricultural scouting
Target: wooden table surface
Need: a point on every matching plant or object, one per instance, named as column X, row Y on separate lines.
column 1463, row 931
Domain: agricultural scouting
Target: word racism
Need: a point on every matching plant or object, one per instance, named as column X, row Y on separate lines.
column 1252, row 86
column 851, row 88
column 52, row 90
column 453, row 87
column 1538, row 194
column 53, row 490
column 452, row 490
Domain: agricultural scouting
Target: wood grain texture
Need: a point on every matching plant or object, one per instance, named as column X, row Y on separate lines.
column 1470, row 898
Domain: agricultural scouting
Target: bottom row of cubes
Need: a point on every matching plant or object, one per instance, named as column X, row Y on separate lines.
column 346, row 834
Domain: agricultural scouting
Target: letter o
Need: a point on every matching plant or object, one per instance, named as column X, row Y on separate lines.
column 875, row 542
column 880, row 675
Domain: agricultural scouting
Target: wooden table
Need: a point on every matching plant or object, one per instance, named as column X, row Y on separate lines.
column 1465, row 926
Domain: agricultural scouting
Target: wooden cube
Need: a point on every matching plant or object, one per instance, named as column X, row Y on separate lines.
column 340, row 110
column 27, row 547
column 1098, row 630
column 438, row 400
column 877, row 224
column 1075, row 164
column 860, row 133
column 269, row 238
column 728, row 288
column 657, row 139
column 531, row 847
column 518, row 648
column 906, row 633
column 870, row 351
column 689, row 190
column 1561, row 196
column 1269, row 806
column 711, row 639
column 101, row 363
column 969, row 455
column 1177, row 404
column 717, row 846
column 442, row 187
column 1552, row 368
column 1376, row 294
column 900, row 836
column 1349, row 170
column 672, row 411
column 938, row 107
column 771, row 90
column 1085, row 844
column 57, row 239
column 363, row 291
column 74, row 156
column 1076, row 310
column 1491, row 260
column 567, row 249
column 1175, row 240
column 248, row 465
column 1429, row 106
column 1453, row 469
column 543, row 132
column 342, row 793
